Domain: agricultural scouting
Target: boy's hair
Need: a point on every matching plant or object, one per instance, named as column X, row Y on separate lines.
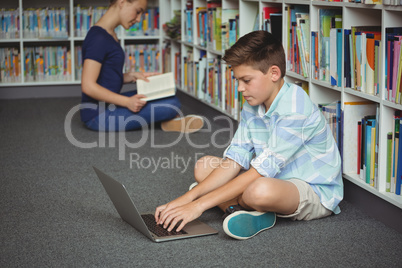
column 258, row 49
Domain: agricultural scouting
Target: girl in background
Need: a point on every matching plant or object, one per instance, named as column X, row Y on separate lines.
column 103, row 78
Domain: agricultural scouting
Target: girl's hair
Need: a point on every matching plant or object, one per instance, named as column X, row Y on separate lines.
column 258, row 49
column 112, row 2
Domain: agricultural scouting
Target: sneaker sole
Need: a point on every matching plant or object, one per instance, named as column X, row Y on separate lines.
column 187, row 124
column 246, row 224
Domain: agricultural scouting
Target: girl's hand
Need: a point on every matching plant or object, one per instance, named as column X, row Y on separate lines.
column 135, row 103
column 134, row 76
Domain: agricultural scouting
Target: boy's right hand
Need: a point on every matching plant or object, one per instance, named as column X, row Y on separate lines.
column 164, row 210
column 135, row 103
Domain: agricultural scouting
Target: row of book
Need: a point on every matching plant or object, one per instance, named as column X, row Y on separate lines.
column 53, row 63
column 10, row 60
column 86, row 17
column 394, row 156
column 142, row 58
column 298, row 23
column 9, row 23
column 54, row 22
column 203, row 78
column 45, row 23
column 214, row 27
column 271, row 20
column 361, row 119
column 326, row 47
column 332, row 114
column 50, row 63
column 393, row 64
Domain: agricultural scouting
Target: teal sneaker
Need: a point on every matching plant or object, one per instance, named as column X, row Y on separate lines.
column 246, row 224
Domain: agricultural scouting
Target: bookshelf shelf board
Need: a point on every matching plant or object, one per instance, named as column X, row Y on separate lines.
column 326, row 85
column 142, row 37
column 390, row 197
column 327, row 4
column 392, row 105
column 296, row 76
column 11, row 40
column 362, row 95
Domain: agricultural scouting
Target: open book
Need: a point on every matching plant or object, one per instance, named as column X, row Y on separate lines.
column 159, row 86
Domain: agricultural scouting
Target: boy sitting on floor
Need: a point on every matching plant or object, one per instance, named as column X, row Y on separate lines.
column 283, row 160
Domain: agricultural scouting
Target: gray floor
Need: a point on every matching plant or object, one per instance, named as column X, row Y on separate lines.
column 55, row 213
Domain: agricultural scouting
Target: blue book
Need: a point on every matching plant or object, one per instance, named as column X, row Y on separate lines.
column 370, row 123
column 347, row 73
column 339, row 56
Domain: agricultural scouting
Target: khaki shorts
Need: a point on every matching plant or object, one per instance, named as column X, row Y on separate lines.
column 310, row 207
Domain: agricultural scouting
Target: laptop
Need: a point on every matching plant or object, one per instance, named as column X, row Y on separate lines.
column 145, row 223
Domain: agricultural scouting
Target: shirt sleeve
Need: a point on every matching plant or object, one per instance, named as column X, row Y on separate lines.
column 291, row 136
column 95, row 47
column 241, row 149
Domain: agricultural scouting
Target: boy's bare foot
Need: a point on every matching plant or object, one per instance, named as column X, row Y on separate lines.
column 187, row 124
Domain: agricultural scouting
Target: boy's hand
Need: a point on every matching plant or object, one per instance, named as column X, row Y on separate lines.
column 183, row 215
column 166, row 210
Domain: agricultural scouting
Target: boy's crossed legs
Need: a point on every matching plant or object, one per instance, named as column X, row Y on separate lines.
column 255, row 209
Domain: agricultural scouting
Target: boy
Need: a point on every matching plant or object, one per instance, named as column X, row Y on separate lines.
column 291, row 161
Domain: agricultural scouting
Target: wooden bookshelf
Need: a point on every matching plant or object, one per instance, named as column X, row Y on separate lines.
column 353, row 14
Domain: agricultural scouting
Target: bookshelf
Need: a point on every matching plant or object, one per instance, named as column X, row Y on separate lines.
column 60, row 42
column 251, row 15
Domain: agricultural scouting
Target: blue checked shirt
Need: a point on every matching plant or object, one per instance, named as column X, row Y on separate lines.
column 290, row 140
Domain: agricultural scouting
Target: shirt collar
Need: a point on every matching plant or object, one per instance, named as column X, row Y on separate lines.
column 261, row 108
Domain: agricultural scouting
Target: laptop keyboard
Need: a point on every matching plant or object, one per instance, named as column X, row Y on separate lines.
column 157, row 229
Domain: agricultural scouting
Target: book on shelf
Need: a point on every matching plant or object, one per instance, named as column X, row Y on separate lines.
column 389, row 162
column 148, row 24
column 398, row 173
column 188, row 22
column 364, row 41
column 214, row 16
column 329, row 19
column 201, row 74
column 272, row 20
column 332, row 114
column 141, row 58
column 298, row 39
column 159, row 86
column 230, row 22
column 166, row 58
column 45, row 23
column 47, row 63
column 177, row 68
column 393, row 66
column 9, row 23
column 10, row 65
column 353, row 112
column 202, row 28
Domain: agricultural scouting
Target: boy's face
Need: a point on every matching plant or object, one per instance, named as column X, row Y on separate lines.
column 257, row 87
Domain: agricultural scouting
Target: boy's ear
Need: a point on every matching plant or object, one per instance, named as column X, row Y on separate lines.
column 276, row 73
